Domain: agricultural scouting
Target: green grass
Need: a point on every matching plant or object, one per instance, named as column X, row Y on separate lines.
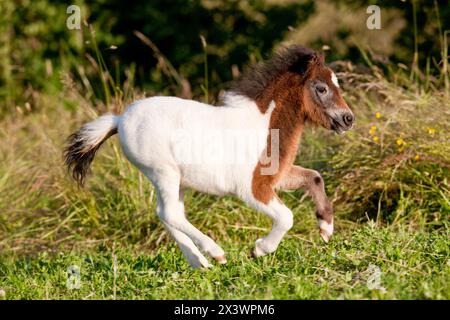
column 413, row 266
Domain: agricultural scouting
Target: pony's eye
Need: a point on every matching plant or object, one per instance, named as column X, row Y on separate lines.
column 321, row 89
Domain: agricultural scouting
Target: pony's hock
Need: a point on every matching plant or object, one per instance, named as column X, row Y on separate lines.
column 277, row 98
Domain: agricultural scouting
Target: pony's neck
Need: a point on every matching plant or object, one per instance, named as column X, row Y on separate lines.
column 288, row 118
column 288, row 115
column 286, row 93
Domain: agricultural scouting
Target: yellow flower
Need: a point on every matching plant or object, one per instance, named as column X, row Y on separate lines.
column 372, row 130
column 400, row 142
column 431, row 131
column 376, row 139
column 378, row 115
column 417, row 157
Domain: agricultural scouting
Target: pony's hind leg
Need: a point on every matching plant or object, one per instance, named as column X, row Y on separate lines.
column 186, row 245
column 206, row 244
column 172, row 214
column 195, row 258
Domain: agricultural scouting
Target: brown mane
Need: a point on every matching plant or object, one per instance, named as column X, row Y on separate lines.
column 257, row 77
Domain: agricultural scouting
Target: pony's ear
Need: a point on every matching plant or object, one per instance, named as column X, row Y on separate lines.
column 303, row 63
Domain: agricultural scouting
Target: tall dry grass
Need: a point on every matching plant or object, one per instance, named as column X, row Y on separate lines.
column 394, row 166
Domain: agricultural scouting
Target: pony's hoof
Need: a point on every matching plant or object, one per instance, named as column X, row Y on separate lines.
column 325, row 236
column 257, row 252
column 326, row 230
column 221, row 259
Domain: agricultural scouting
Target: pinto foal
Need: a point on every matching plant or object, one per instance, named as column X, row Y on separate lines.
column 276, row 97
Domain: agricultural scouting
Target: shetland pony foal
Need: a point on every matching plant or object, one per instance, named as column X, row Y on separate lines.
column 276, row 97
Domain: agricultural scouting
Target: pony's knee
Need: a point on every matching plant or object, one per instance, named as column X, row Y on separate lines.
column 286, row 220
column 281, row 215
column 315, row 179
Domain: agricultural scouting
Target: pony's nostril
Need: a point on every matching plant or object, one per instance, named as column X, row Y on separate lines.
column 348, row 119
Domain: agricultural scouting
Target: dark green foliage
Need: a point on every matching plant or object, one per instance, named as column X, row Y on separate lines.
column 37, row 46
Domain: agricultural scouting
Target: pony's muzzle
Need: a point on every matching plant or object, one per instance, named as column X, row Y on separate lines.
column 341, row 120
column 326, row 229
column 347, row 119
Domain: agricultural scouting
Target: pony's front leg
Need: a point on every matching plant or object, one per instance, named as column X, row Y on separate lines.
column 298, row 177
column 282, row 218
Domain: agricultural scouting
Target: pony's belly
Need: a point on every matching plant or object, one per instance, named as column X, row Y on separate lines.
column 217, row 180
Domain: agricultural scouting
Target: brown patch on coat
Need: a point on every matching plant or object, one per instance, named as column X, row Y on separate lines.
column 288, row 118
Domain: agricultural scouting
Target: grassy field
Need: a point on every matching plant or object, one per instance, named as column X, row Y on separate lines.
column 413, row 266
column 388, row 180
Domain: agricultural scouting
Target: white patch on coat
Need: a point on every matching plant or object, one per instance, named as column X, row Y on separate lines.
column 334, row 79
column 148, row 135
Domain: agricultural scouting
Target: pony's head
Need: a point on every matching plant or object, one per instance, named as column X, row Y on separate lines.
column 321, row 97
column 298, row 77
